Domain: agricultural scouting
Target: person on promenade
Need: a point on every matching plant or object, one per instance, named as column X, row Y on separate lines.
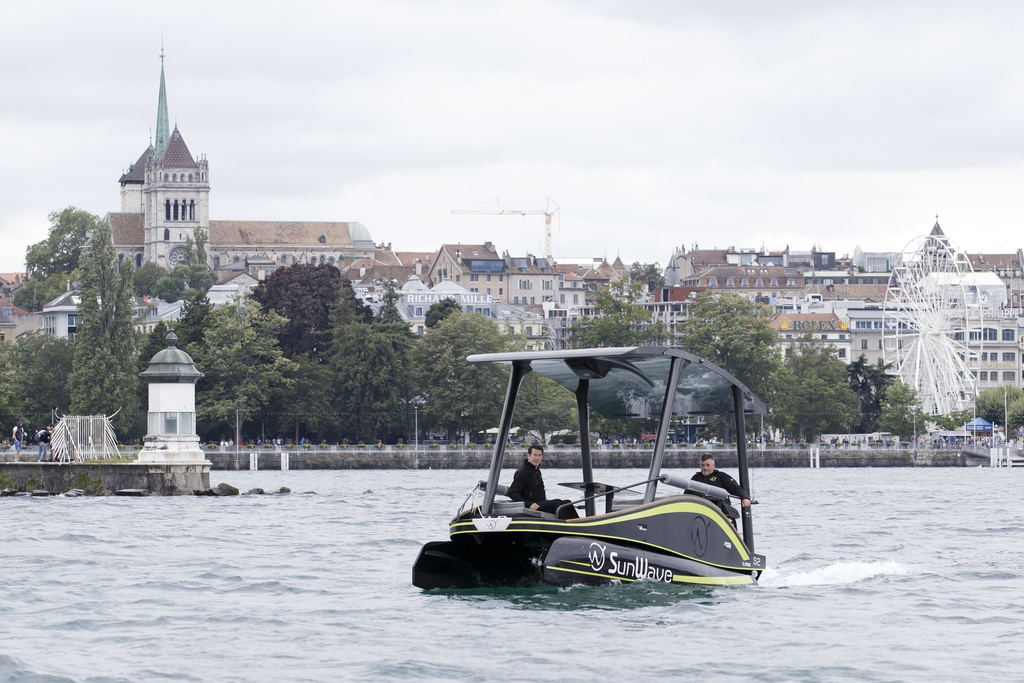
column 528, row 486
column 44, row 437
column 19, row 437
column 709, row 475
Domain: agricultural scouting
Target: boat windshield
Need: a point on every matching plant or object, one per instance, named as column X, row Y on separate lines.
column 631, row 382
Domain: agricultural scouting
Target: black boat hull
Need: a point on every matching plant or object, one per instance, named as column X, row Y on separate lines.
column 679, row 540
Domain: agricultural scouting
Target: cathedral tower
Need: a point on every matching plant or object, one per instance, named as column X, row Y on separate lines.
column 175, row 191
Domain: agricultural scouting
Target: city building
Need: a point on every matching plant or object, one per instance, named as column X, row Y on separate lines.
column 165, row 198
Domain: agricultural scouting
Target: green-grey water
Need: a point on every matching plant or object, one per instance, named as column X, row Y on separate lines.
column 874, row 574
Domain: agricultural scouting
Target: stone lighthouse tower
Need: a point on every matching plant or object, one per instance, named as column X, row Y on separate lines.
column 171, row 437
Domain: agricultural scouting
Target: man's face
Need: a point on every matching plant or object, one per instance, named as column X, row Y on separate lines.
column 534, row 456
column 707, row 466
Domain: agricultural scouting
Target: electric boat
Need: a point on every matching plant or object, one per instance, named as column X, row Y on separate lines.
column 663, row 528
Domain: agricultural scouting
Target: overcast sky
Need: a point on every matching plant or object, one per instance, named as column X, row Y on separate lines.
column 652, row 124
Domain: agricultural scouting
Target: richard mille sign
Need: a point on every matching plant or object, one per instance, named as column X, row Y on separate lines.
column 470, row 299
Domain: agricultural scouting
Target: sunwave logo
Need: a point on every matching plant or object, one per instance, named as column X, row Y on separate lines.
column 596, row 556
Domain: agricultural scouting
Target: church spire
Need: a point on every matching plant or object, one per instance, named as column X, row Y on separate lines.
column 163, row 133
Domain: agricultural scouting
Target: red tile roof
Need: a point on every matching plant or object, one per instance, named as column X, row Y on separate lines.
column 176, row 155
column 127, row 229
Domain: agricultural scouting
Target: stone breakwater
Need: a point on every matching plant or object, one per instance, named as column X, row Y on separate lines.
column 104, row 479
column 442, row 458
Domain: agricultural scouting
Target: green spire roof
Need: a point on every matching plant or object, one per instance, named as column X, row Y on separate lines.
column 163, row 130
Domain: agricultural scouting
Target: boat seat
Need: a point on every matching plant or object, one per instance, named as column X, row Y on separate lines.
column 512, row 508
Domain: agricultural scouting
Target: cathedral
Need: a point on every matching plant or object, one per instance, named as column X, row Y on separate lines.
column 165, row 197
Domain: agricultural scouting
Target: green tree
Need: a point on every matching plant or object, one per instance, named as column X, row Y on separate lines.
column 103, row 380
column 146, row 278
column 649, row 274
column 991, row 403
column 243, row 364
column 461, row 395
column 10, row 406
column 1016, row 415
column 618, row 319
column 62, row 248
column 901, row 411
column 441, row 310
column 868, row 383
column 42, row 369
column 735, row 333
column 816, row 398
column 388, row 312
column 38, row 292
column 303, row 294
column 545, row 407
column 171, row 286
column 195, row 318
column 372, row 365
column 955, row 420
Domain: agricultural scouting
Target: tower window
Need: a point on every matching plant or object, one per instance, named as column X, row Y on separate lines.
column 138, row 260
column 167, row 210
column 192, row 210
column 166, row 177
column 174, row 178
column 175, row 212
column 216, row 262
column 167, row 234
column 190, row 177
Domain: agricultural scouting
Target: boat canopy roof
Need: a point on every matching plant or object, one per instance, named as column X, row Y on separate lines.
column 631, row 381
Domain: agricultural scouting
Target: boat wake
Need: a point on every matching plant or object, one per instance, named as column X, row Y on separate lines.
column 836, row 574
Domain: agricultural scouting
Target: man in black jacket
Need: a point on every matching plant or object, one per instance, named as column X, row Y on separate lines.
column 528, row 486
column 709, row 475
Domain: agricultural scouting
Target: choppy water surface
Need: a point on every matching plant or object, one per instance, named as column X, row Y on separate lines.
column 875, row 575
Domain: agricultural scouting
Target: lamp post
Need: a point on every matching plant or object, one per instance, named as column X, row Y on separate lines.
column 416, row 435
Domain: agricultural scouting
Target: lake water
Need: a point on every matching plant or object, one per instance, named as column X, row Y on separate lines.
column 874, row 575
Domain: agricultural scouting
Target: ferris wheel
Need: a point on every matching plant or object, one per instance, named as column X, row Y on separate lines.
column 932, row 313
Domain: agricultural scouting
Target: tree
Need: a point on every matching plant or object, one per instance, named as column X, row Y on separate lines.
column 441, row 310
column 991, row 404
column 649, row 274
column 461, row 395
column 372, row 367
column 901, row 411
column 42, row 367
column 816, row 398
column 388, row 312
column 172, row 285
column 303, row 294
column 735, row 333
column 60, row 251
column 103, row 380
column 243, row 364
column 955, row 420
column 545, row 407
column 146, row 278
column 38, row 292
column 618, row 320
column 195, row 318
column 10, row 406
column 868, row 382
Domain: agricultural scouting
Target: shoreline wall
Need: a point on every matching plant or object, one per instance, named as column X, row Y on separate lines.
column 571, row 458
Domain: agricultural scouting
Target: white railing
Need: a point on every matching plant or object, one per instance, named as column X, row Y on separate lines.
column 84, row 437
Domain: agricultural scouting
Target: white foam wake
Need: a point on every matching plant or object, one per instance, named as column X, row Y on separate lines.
column 832, row 575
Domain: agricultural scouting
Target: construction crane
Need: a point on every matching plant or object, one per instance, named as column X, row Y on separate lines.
column 549, row 210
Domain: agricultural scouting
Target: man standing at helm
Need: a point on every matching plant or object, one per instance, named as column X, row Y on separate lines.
column 709, row 475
